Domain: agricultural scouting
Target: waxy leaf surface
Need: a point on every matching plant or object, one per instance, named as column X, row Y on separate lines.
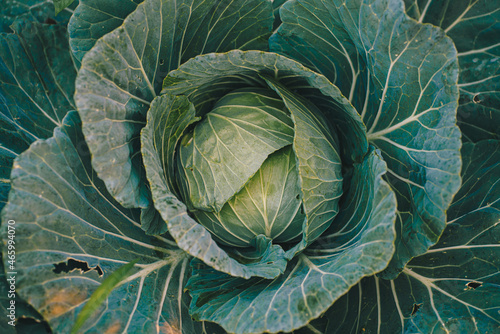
column 64, row 215
column 320, row 169
column 402, row 78
column 93, row 19
column 455, row 286
column 230, row 144
column 36, row 89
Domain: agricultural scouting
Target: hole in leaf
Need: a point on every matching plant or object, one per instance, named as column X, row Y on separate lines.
column 473, row 285
column 476, row 99
column 298, row 196
column 415, row 308
column 50, row 21
column 73, row 264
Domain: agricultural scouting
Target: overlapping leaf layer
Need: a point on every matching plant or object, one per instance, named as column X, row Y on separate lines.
column 387, row 128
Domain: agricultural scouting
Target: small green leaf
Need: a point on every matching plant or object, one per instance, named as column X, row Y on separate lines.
column 61, row 4
column 101, row 293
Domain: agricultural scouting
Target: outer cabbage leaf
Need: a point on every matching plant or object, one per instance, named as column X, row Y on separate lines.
column 5, row 327
column 36, row 89
column 315, row 278
column 93, row 19
column 64, row 215
column 455, row 286
column 41, row 11
column 123, row 72
column 167, row 119
column 474, row 26
column 27, row 320
column 27, row 113
column 401, row 76
column 313, row 34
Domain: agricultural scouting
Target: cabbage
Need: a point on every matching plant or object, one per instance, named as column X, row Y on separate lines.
column 249, row 166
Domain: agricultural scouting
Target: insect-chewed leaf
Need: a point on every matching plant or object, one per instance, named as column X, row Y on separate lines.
column 62, row 211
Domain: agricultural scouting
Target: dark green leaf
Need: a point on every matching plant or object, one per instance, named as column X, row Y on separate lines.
column 41, row 11
column 64, row 216
column 36, row 89
column 313, row 34
column 454, row 287
column 93, row 19
column 151, row 221
column 401, row 76
column 276, row 8
column 315, row 278
column 474, row 26
column 28, row 62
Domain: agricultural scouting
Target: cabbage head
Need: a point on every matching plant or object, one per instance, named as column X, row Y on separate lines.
column 250, row 166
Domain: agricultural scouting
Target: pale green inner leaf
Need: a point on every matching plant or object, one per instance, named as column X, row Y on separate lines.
column 269, row 204
column 230, row 144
